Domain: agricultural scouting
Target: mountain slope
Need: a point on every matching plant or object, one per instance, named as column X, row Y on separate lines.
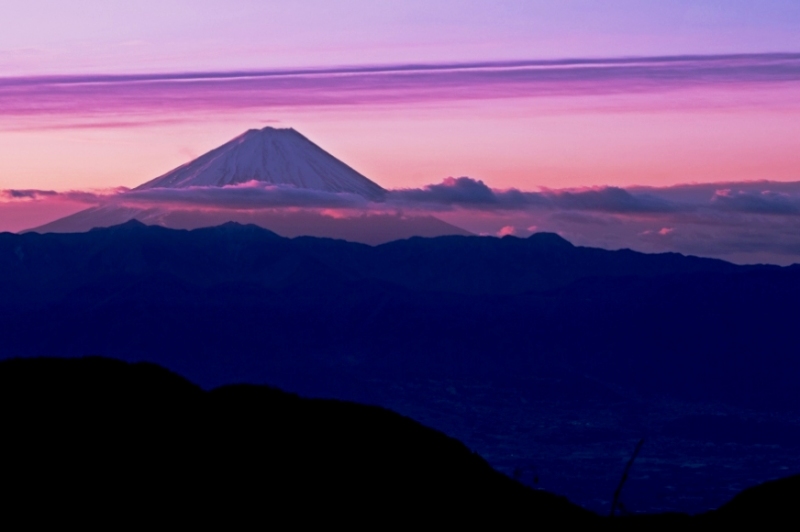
column 372, row 229
column 279, row 157
column 99, row 438
column 95, row 440
column 273, row 156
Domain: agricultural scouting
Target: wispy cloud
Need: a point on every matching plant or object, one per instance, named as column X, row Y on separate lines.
column 464, row 192
column 744, row 222
column 91, row 197
column 147, row 97
column 30, row 194
column 764, row 202
column 247, row 196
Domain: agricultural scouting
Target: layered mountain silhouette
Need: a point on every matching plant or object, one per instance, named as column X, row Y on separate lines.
column 266, row 157
column 370, row 229
column 667, row 323
column 477, row 336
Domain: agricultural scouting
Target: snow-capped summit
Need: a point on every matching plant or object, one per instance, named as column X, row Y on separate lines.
column 270, row 155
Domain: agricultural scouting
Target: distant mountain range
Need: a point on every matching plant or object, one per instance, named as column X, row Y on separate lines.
column 266, row 157
column 367, row 228
column 663, row 323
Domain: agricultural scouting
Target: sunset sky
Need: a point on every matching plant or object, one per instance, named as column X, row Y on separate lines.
column 531, row 95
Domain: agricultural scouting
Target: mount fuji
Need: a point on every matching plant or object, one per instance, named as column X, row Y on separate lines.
column 271, row 157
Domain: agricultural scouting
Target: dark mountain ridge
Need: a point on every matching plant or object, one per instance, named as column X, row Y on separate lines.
column 236, row 253
column 268, row 166
column 663, row 323
column 94, row 440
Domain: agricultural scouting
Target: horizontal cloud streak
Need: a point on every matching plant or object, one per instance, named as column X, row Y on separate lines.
column 141, row 96
column 744, row 222
column 12, row 194
column 765, row 202
column 464, row 193
column 248, row 196
column 467, row 193
column 76, row 196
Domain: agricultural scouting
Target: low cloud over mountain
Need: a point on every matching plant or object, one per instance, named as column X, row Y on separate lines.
column 279, row 179
column 464, row 192
column 743, row 222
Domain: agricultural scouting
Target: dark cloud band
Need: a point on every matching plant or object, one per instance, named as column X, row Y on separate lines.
column 465, row 193
column 99, row 97
column 744, row 222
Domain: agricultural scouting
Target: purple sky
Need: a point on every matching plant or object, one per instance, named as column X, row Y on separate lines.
column 529, row 95
column 52, row 36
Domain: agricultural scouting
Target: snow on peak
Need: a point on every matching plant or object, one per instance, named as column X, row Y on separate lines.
column 275, row 156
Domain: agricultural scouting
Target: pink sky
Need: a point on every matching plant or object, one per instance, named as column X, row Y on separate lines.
column 96, row 95
column 524, row 125
column 518, row 116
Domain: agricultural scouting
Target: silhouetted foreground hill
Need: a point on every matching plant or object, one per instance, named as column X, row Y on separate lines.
column 101, row 441
column 105, row 441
